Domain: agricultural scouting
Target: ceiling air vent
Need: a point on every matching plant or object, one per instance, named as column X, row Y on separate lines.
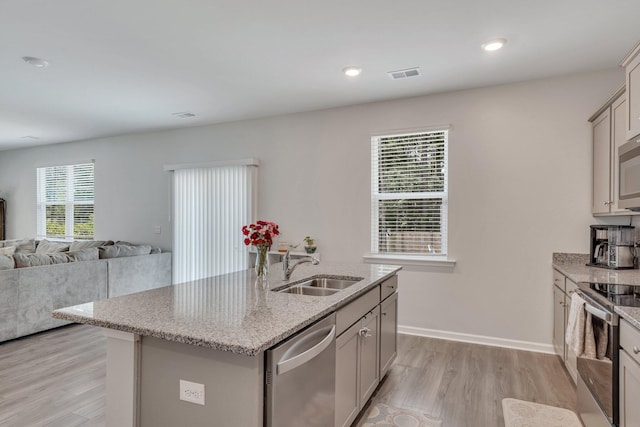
column 403, row 74
column 184, row 114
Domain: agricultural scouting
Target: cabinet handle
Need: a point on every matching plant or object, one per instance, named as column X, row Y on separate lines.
column 364, row 332
column 384, row 314
column 608, row 202
column 636, row 350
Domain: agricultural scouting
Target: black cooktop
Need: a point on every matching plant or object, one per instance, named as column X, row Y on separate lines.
column 612, row 295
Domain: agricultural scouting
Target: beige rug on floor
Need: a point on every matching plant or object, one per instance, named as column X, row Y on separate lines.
column 381, row 415
column 519, row 413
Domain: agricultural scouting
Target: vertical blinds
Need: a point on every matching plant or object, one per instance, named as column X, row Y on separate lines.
column 65, row 201
column 211, row 205
column 409, row 193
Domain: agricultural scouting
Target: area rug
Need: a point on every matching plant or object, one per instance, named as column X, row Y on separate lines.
column 519, row 413
column 381, row 415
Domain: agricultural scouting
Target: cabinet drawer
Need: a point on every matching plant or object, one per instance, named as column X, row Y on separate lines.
column 352, row 312
column 559, row 279
column 388, row 287
column 630, row 340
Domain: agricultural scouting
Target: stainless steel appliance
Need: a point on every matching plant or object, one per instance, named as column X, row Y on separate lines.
column 629, row 175
column 598, row 378
column 613, row 246
column 300, row 378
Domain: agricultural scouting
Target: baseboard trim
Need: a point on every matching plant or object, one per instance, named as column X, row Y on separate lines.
column 477, row 339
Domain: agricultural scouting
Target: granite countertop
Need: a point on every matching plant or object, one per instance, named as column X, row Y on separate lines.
column 574, row 267
column 229, row 312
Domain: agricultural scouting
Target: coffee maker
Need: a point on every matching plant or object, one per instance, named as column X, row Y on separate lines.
column 613, row 246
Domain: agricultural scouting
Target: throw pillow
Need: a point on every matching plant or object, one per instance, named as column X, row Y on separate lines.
column 35, row 260
column 24, row 246
column 87, row 254
column 84, row 244
column 49, row 247
column 7, row 262
column 119, row 251
column 9, row 250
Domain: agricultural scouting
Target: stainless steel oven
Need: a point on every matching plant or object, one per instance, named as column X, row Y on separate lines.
column 598, row 377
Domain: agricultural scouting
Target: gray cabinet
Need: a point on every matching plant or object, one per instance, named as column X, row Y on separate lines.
column 631, row 64
column 357, row 372
column 601, row 199
column 347, row 402
column 388, row 333
column 563, row 288
column 629, row 375
column 365, row 348
column 558, row 322
column 608, row 126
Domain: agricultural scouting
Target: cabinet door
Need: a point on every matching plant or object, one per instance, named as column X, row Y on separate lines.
column 632, row 71
column 618, row 137
column 629, row 391
column 601, row 163
column 388, row 333
column 571, row 359
column 558, row 322
column 347, row 353
column 369, row 352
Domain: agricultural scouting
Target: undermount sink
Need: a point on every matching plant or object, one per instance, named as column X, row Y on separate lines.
column 320, row 286
column 327, row 283
column 303, row 290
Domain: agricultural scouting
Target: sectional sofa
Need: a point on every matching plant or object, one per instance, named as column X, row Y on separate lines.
column 39, row 277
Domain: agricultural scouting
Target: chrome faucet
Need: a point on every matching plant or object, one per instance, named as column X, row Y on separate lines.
column 288, row 270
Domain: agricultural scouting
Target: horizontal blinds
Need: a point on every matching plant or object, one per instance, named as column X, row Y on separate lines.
column 210, row 207
column 65, row 201
column 409, row 193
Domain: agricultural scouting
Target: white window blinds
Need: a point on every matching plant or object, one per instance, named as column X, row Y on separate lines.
column 211, row 204
column 65, row 202
column 409, row 193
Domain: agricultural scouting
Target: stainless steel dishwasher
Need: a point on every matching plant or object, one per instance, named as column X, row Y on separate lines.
column 300, row 378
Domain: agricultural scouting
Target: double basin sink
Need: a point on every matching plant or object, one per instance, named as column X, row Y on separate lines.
column 320, row 286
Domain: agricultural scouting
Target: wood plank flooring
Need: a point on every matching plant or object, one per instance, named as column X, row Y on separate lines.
column 464, row 384
column 57, row 378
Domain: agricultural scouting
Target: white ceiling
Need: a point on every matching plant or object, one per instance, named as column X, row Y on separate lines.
column 120, row 67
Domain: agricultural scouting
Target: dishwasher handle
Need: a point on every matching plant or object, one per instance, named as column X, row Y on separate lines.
column 302, row 358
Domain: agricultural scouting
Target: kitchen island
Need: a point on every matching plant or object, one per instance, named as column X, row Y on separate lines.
column 213, row 331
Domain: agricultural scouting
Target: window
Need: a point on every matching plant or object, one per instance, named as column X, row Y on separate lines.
column 65, row 202
column 211, row 203
column 409, row 194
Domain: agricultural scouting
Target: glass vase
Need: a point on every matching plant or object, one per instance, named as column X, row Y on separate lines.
column 262, row 262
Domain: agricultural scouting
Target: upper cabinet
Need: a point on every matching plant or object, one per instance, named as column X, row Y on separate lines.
column 608, row 134
column 631, row 65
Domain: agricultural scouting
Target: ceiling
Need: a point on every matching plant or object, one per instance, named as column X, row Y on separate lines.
column 118, row 67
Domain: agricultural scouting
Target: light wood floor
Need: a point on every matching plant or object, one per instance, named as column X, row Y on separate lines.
column 57, row 378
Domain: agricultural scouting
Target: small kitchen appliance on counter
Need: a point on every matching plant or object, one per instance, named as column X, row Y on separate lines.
column 613, row 246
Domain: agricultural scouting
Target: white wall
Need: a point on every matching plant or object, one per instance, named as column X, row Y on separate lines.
column 520, row 176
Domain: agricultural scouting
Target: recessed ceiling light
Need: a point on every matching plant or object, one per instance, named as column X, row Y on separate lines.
column 493, row 45
column 352, row 71
column 36, row 62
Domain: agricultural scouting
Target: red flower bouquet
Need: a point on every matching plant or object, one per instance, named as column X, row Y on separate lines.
column 261, row 236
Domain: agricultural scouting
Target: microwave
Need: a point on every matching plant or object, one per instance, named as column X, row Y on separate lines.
column 629, row 175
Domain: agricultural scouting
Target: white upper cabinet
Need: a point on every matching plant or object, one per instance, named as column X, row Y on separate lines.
column 631, row 64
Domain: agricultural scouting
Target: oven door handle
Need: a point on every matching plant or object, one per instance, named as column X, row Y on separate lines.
column 600, row 314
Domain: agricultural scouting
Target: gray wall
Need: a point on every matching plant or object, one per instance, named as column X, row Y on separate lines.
column 520, row 188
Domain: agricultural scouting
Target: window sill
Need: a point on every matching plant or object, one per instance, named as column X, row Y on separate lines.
column 409, row 260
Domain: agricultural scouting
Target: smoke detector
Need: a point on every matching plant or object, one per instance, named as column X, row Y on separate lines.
column 404, row 74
